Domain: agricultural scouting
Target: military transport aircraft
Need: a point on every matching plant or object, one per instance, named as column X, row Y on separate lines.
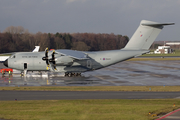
column 73, row 63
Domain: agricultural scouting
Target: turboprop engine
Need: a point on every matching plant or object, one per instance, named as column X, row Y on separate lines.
column 64, row 61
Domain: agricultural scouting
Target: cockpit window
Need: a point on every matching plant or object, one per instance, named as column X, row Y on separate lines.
column 13, row 56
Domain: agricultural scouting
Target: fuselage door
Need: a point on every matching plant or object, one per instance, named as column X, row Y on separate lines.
column 25, row 66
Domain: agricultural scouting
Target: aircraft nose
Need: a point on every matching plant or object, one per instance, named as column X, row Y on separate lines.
column 6, row 63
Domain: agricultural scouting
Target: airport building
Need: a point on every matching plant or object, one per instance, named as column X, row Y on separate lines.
column 163, row 50
column 173, row 43
column 167, row 48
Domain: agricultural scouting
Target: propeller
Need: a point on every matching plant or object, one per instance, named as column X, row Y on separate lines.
column 53, row 60
column 46, row 58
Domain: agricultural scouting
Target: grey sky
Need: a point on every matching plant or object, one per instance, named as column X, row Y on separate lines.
column 94, row 16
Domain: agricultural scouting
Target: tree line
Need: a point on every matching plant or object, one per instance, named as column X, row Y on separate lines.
column 14, row 39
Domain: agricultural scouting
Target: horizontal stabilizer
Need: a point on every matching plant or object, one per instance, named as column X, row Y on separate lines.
column 158, row 24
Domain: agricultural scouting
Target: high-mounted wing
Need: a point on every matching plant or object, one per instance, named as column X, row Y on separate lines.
column 73, row 54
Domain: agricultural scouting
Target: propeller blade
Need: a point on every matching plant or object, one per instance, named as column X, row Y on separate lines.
column 55, row 67
column 53, row 55
column 53, row 58
column 47, row 62
column 46, row 58
column 46, row 52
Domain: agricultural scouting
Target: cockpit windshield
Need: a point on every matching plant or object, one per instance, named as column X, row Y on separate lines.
column 12, row 56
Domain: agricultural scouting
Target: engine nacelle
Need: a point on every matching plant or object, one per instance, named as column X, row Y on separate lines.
column 64, row 61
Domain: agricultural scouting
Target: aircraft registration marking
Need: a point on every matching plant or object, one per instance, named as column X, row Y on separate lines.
column 105, row 58
column 29, row 56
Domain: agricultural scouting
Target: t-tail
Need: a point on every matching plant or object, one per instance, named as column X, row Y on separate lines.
column 145, row 35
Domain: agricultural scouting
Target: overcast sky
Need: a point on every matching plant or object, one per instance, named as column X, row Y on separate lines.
column 92, row 16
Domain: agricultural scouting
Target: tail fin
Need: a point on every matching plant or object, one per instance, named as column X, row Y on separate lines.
column 36, row 49
column 145, row 35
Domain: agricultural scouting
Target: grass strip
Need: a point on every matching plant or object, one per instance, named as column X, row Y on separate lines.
column 87, row 109
column 154, row 59
column 94, row 88
column 165, row 55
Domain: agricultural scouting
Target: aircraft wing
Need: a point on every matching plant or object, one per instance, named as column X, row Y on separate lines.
column 80, row 55
column 3, row 58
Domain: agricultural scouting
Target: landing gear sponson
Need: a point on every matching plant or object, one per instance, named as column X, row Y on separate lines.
column 72, row 74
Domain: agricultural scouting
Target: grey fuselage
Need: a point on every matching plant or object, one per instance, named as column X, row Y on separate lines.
column 96, row 60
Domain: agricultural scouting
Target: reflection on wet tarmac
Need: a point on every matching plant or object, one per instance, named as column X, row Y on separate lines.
column 126, row 73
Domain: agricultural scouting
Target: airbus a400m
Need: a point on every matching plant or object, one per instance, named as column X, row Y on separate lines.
column 73, row 63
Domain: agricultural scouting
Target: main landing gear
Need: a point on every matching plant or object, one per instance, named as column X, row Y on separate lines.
column 24, row 73
column 72, row 74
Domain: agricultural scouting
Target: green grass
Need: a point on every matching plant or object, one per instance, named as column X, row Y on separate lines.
column 176, row 53
column 94, row 88
column 171, row 54
column 86, row 109
column 153, row 59
column 5, row 54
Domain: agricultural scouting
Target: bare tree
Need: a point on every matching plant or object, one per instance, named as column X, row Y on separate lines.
column 15, row 30
column 80, row 46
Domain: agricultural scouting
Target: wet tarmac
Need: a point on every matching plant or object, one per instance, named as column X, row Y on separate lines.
column 128, row 73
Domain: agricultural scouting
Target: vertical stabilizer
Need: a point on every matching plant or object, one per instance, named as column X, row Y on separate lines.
column 36, row 49
column 145, row 35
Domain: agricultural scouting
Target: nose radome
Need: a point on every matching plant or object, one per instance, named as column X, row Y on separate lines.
column 6, row 63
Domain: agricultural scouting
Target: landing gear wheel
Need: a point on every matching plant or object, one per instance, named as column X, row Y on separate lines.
column 72, row 74
column 22, row 74
column 78, row 74
column 66, row 75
